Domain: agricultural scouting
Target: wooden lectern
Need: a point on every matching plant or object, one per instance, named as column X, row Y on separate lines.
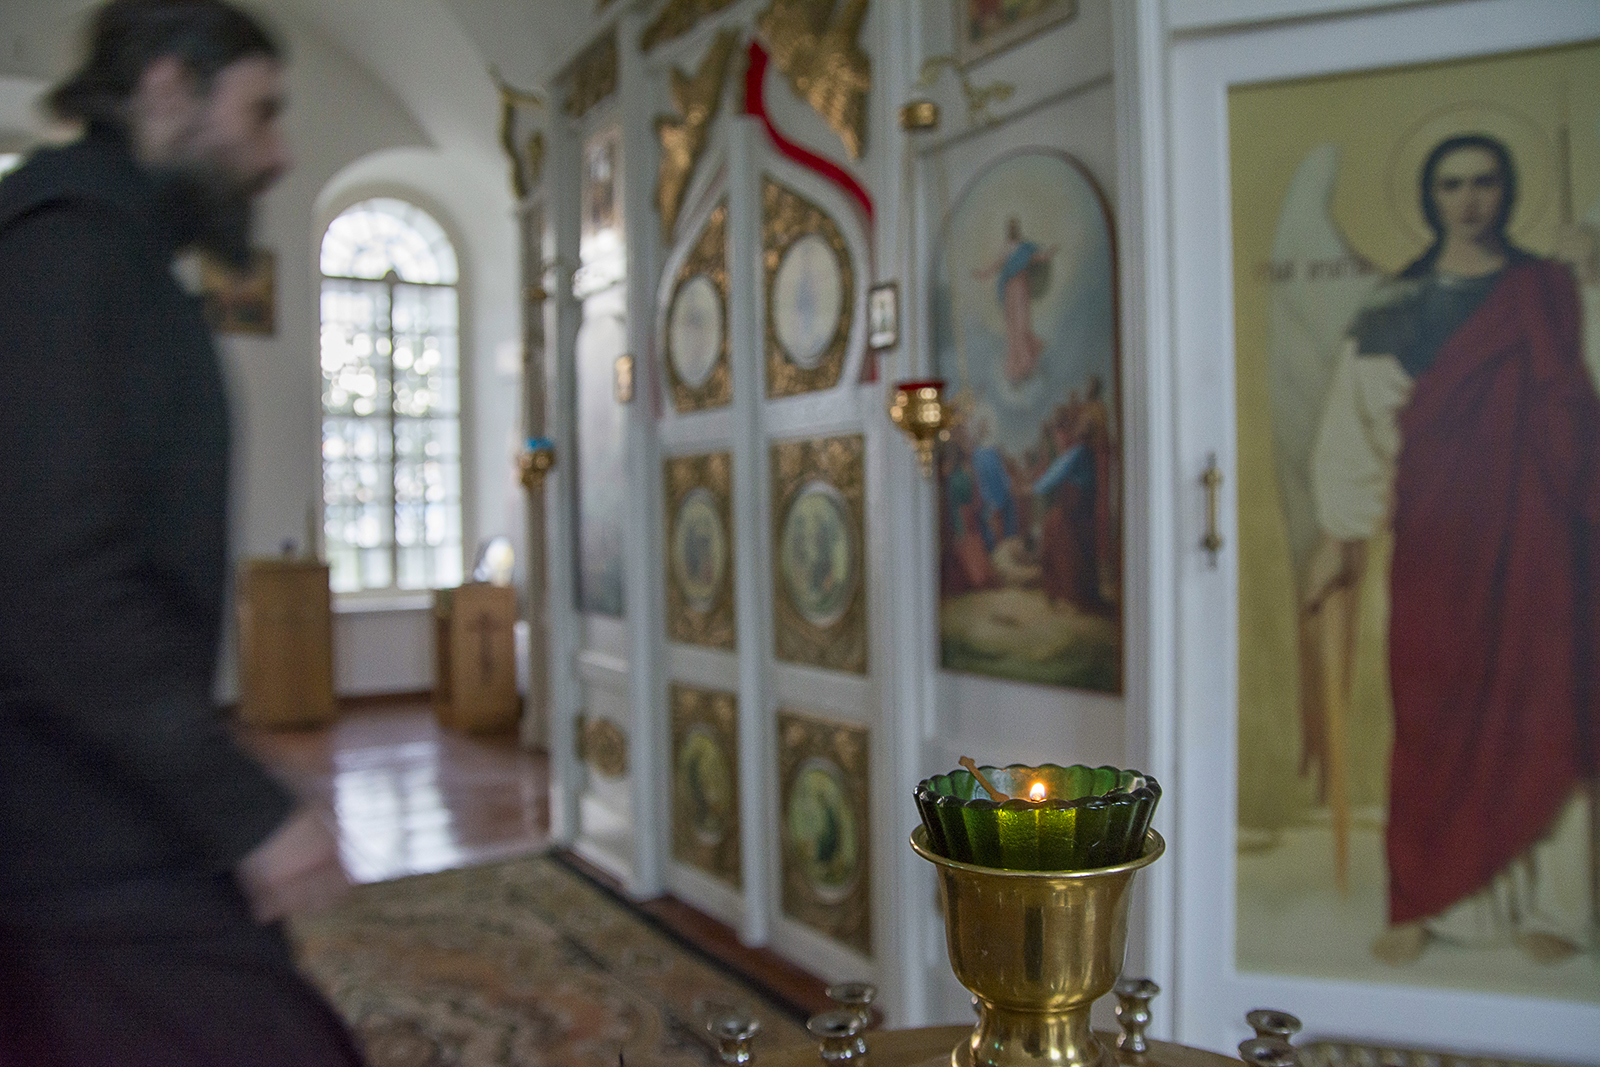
column 475, row 657
column 285, row 643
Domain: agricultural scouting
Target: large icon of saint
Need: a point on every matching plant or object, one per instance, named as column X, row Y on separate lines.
column 1449, row 406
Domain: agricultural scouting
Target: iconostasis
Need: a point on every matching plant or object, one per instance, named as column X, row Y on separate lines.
column 765, row 622
column 768, row 616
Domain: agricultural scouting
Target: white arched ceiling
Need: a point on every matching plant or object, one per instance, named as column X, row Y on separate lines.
column 433, row 55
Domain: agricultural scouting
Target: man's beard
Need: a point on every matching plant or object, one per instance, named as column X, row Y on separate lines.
column 208, row 208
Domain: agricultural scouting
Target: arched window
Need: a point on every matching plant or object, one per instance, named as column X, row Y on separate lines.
column 391, row 391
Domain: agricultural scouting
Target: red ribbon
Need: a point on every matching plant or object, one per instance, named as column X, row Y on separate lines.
column 755, row 104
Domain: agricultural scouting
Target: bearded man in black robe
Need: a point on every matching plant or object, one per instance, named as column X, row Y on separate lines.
column 147, row 860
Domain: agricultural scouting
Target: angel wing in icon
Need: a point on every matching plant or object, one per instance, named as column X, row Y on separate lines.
column 1318, row 283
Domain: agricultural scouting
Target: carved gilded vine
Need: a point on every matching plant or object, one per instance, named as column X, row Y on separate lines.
column 683, row 138
column 594, row 75
column 677, row 19
column 526, row 162
column 978, row 97
column 813, row 42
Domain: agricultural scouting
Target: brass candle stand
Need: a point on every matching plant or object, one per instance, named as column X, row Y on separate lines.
column 1037, row 948
column 919, row 411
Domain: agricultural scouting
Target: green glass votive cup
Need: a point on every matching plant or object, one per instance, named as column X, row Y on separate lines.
column 1090, row 816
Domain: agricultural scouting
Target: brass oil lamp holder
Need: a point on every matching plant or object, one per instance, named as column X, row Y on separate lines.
column 919, row 411
column 1037, row 949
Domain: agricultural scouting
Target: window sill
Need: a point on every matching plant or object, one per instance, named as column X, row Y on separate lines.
column 383, row 601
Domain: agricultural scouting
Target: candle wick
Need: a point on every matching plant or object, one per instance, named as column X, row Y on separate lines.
column 972, row 768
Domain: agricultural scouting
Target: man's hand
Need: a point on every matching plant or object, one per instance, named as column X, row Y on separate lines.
column 295, row 870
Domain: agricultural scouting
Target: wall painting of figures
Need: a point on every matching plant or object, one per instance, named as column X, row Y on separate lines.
column 1416, row 290
column 1030, row 482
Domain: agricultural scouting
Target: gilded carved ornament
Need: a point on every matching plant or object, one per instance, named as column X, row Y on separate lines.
column 700, row 607
column 786, row 218
column 819, row 565
column 683, row 138
column 705, row 781
column 978, row 97
column 594, row 75
column 813, row 42
column 527, row 161
column 677, row 19
column 602, row 745
column 707, row 259
column 826, row 866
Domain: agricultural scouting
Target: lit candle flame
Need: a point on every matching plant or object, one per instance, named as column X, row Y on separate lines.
column 1036, row 794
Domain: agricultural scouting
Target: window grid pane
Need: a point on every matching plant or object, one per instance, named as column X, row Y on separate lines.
column 391, row 443
column 371, row 238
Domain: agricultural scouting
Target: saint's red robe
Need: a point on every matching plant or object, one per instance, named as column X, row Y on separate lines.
column 1495, row 593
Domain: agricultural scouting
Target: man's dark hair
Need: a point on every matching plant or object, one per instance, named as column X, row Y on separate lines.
column 125, row 36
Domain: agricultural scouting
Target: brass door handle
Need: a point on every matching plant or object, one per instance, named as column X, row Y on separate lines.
column 1212, row 481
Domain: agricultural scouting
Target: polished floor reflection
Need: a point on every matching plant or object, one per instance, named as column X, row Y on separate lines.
column 410, row 797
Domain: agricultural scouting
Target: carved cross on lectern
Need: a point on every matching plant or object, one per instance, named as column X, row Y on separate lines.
column 484, row 625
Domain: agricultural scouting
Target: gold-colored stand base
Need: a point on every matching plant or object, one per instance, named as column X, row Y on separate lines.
column 942, row 1046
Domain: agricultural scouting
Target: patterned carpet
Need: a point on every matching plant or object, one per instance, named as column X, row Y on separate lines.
column 522, row 963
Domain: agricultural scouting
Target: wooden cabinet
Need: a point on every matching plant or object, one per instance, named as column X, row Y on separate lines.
column 475, row 687
column 285, row 643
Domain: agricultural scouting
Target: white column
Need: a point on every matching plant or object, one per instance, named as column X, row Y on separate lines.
column 1139, row 73
column 751, row 520
column 536, row 357
column 902, row 526
column 649, row 735
column 562, row 317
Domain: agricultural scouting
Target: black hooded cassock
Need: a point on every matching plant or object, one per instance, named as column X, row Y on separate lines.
column 125, row 805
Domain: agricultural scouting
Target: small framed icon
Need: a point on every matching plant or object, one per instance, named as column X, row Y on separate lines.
column 883, row 316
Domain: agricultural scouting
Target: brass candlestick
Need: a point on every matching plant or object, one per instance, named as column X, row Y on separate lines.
column 919, row 410
column 1038, row 948
column 733, row 1032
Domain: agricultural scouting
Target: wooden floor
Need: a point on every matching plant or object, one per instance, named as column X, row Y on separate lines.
column 411, row 798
